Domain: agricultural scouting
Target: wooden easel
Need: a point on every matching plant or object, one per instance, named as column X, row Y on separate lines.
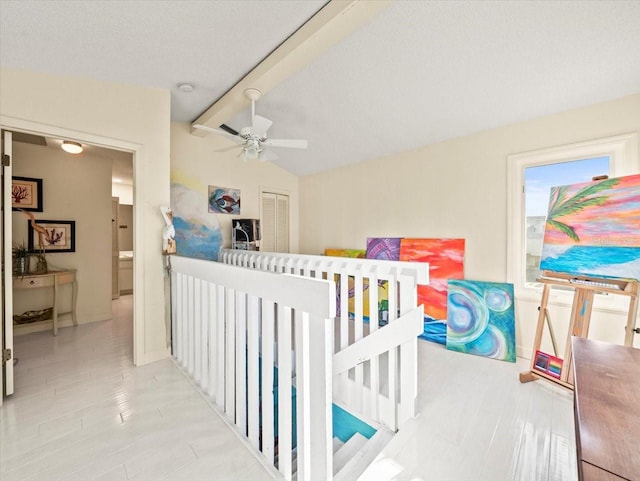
column 585, row 288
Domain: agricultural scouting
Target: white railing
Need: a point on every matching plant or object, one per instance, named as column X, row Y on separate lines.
column 375, row 367
column 230, row 328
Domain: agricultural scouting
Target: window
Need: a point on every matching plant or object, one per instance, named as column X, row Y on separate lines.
column 538, row 181
column 531, row 174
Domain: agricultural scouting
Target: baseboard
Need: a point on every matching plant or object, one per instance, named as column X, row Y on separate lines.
column 149, row 357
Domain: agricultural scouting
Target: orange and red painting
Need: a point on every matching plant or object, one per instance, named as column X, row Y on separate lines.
column 446, row 261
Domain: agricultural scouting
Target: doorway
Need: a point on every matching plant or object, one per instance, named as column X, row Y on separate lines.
column 91, row 141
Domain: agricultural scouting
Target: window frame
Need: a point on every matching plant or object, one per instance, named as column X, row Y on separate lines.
column 622, row 151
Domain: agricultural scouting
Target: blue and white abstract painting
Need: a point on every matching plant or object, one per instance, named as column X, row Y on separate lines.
column 198, row 232
column 481, row 319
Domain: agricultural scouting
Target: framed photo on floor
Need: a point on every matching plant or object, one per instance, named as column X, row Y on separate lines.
column 56, row 236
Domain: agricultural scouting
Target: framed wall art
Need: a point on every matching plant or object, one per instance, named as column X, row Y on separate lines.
column 26, row 194
column 223, row 200
column 52, row 236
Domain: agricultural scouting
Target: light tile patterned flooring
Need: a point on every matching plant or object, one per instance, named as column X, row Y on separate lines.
column 82, row 412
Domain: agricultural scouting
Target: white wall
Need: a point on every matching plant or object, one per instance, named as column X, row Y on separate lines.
column 133, row 118
column 194, row 163
column 124, row 193
column 74, row 188
column 456, row 188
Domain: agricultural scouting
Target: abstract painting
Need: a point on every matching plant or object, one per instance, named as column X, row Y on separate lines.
column 383, row 248
column 357, row 253
column 481, row 319
column 446, row 261
column 593, row 229
column 198, row 234
column 223, row 200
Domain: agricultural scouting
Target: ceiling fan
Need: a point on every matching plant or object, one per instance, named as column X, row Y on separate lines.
column 253, row 140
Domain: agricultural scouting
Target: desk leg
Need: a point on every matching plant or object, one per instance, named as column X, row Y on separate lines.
column 74, row 300
column 55, row 305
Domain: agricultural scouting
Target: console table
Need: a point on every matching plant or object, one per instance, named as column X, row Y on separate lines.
column 606, row 394
column 51, row 280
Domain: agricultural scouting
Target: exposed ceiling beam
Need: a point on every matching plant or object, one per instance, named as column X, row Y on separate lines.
column 332, row 23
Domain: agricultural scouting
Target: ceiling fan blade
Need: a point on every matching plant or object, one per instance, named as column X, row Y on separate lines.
column 217, row 131
column 261, row 125
column 267, row 155
column 291, row 143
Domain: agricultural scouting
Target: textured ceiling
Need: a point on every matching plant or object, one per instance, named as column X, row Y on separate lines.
column 418, row 73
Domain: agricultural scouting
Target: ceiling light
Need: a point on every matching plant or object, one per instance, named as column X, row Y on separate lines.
column 185, row 87
column 71, row 147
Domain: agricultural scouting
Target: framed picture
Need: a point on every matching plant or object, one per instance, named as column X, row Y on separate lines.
column 55, row 235
column 223, row 200
column 26, row 194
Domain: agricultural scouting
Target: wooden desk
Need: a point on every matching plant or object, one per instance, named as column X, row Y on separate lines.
column 606, row 394
column 52, row 280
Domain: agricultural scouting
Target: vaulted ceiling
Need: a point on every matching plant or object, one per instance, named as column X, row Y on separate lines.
column 415, row 73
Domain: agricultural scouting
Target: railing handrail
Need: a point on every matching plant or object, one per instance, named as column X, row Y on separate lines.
column 419, row 271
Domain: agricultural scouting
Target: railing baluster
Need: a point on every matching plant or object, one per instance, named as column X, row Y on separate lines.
column 241, row 361
column 253, row 372
column 285, row 441
column 268, row 339
column 197, row 330
column 221, row 351
column 213, row 346
column 230, row 364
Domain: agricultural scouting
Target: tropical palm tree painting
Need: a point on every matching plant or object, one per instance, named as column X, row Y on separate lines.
column 593, row 229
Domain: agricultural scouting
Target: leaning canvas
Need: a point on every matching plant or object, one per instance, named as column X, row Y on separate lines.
column 593, row 229
column 481, row 319
column 446, row 261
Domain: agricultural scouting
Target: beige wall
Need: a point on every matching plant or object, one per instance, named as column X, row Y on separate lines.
column 456, row 188
column 74, row 188
column 110, row 114
column 195, row 163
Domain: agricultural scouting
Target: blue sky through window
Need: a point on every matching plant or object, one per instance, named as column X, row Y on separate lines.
column 540, row 179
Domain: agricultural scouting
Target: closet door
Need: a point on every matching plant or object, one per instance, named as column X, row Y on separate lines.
column 274, row 222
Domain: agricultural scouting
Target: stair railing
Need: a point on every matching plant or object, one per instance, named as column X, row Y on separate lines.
column 380, row 382
column 231, row 327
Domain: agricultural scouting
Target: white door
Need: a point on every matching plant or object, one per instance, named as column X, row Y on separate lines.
column 115, row 249
column 6, row 333
column 274, row 222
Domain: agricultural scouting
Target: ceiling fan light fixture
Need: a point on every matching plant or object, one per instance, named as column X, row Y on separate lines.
column 71, row 147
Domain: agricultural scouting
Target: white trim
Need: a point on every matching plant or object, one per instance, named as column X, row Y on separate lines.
column 37, row 128
column 623, row 152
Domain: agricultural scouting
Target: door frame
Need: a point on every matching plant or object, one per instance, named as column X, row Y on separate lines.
column 137, row 151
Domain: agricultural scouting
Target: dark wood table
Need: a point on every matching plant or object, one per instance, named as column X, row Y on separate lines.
column 607, row 410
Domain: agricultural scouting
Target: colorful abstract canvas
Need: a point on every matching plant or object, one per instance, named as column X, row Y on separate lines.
column 446, row 261
column 481, row 319
column 383, row 248
column 593, row 229
column 356, row 253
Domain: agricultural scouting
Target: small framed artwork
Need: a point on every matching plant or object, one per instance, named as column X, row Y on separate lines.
column 52, row 236
column 548, row 364
column 26, row 194
column 223, row 200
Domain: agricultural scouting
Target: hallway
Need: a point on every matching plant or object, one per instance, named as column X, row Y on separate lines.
column 83, row 412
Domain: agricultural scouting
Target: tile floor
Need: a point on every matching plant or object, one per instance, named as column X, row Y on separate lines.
column 82, row 412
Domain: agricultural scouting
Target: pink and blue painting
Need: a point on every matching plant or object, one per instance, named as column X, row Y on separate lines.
column 481, row 319
column 223, row 200
column 593, row 229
